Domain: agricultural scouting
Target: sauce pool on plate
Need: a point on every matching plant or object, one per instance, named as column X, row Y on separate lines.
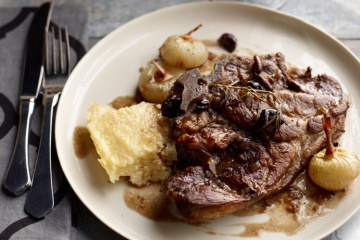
column 288, row 211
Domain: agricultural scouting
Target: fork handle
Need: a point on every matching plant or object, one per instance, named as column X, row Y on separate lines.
column 17, row 178
column 40, row 199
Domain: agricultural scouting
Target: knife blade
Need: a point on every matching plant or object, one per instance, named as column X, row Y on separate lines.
column 17, row 178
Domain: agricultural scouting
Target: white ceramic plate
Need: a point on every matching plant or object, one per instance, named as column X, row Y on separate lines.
column 111, row 69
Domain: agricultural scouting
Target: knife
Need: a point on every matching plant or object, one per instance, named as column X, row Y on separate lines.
column 17, row 178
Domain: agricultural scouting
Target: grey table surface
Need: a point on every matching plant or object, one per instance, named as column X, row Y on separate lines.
column 340, row 18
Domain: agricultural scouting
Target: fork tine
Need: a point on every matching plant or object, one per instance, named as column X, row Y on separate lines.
column 61, row 59
column 57, row 54
column 54, row 64
column 47, row 61
column 67, row 48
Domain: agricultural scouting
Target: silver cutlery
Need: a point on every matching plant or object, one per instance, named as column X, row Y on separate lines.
column 40, row 199
column 17, row 177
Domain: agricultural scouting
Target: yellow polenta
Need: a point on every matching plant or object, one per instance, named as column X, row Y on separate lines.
column 132, row 141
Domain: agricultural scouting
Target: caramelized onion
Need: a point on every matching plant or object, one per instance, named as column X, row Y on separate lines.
column 333, row 168
column 184, row 51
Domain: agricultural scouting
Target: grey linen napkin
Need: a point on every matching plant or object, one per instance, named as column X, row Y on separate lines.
column 14, row 222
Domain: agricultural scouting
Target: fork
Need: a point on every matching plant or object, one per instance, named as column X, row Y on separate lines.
column 40, row 199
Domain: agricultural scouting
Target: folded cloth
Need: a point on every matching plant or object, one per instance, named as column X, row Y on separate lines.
column 14, row 25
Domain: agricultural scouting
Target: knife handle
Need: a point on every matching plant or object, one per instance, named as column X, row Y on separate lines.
column 40, row 199
column 17, row 178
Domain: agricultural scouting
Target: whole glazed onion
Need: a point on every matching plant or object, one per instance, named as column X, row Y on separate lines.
column 184, row 51
column 333, row 168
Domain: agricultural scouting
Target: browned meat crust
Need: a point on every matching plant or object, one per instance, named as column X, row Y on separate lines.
column 246, row 131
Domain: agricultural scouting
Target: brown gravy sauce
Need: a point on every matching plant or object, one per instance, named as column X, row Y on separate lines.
column 150, row 201
column 292, row 209
column 125, row 101
column 83, row 144
column 288, row 211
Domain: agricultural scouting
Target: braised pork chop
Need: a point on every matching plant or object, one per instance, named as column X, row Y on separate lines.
column 246, row 131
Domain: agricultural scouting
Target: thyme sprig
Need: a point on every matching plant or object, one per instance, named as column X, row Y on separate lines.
column 250, row 91
column 277, row 119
